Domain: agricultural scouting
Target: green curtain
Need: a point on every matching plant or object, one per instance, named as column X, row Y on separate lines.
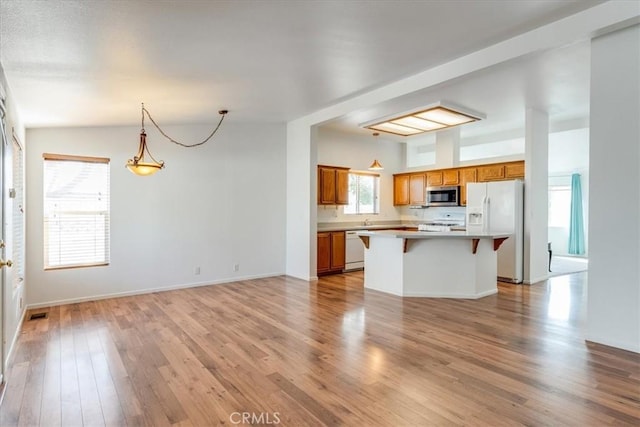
column 576, row 224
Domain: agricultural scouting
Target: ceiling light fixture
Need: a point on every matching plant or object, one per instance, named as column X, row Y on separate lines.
column 434, row 117
column 376, row 166
column 139, row 166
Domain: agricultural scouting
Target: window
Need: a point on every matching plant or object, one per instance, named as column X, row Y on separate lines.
column 559, row 206
column 76, row 211
column 363, row 193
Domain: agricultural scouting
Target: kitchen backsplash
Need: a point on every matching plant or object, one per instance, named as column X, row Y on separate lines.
column 431, row 214
column 333, row 214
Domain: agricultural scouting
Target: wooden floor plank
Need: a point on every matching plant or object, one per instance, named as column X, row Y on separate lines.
column 321, row 354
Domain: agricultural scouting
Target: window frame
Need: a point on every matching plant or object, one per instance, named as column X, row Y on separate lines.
column 376, row 194
column 45, row 220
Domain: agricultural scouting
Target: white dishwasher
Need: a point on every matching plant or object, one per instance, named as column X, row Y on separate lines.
column 354, row 257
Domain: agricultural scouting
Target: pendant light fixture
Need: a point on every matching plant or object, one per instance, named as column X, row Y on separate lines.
column 142, row 167
column 376, row 166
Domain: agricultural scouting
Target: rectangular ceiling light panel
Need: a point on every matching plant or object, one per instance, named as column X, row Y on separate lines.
column 433, row 118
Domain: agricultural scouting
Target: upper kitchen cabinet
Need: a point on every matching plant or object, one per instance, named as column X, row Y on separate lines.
column 501, row 171
column 514, row 170
column 450, row 177
column 400, row 190
column 408, row 189
column 416, row 189
column 491, row 172
column 434, row 178
column 466, row 175
column 333, row 185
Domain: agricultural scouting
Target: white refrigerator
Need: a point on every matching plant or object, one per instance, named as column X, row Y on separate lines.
column 499, row 207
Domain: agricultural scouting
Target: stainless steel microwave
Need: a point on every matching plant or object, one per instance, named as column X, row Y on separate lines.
column 442, row 196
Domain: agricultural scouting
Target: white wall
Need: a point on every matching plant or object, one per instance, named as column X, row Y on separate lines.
column 613, row 308
column 336, row 148
column 13, row 299
column 211, row 207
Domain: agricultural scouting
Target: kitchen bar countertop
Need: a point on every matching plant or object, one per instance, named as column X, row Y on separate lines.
column 434, row 234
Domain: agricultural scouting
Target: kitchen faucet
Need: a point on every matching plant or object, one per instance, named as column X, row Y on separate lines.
column 366, row 222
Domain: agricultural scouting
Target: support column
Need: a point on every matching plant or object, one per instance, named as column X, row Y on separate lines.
column 448, row 148
column 536, row 194
column 301, row 200
column 613, row 305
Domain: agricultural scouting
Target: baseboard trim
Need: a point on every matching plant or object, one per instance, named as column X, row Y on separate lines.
column 536, row 280
column 14, row 339
column 148, row 291
column 606, row 341
column 460, row 296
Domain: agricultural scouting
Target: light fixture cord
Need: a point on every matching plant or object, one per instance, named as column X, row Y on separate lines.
column 222, row 114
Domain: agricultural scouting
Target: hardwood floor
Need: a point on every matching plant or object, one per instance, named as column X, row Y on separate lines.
column 281, row 351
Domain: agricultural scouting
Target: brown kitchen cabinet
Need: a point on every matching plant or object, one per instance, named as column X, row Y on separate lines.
column 333, row 185
column 408, row 189
column 491, row 172
column 466, row 175
column 400, row 190
column 405, row 185
column 434, row 179
column 416, row 189
column 450, row 177
column 331, row 252
column 514, row 170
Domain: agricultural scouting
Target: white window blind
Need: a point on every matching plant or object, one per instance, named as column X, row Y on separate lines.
column 76, row 211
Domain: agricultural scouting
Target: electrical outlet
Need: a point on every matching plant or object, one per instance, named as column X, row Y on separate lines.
column 196, row 271
column 236, row 267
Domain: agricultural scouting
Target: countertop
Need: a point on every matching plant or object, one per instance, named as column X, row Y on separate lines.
column 359, row 226
column 434, row 234
column 378, row 226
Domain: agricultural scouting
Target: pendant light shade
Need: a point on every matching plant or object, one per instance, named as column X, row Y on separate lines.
column 138, row 165
column 376, row 166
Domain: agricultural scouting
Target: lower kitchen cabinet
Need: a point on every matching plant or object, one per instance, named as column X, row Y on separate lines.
column 331, row 252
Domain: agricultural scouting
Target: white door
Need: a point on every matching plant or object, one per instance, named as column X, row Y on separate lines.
column 4, row 151
column 9, row 282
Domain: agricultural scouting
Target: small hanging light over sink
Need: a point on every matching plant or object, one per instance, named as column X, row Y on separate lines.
column 376, row 166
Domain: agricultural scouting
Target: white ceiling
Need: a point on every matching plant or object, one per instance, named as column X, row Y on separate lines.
column 84, row 63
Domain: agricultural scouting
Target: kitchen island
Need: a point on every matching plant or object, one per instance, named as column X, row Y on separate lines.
column 453, row 264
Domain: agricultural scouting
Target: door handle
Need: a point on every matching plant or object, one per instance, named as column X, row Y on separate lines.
column 8, row 263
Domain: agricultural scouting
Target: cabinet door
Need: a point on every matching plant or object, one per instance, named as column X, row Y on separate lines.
column 400, row 190
column 434, row 179
column 416, row 189
column 342, row 186
column 514, row 170
column 327, row 178
column 324, row 252
column 491, row 172
column 466, row 175
column 450, row 177
column 338, row 250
